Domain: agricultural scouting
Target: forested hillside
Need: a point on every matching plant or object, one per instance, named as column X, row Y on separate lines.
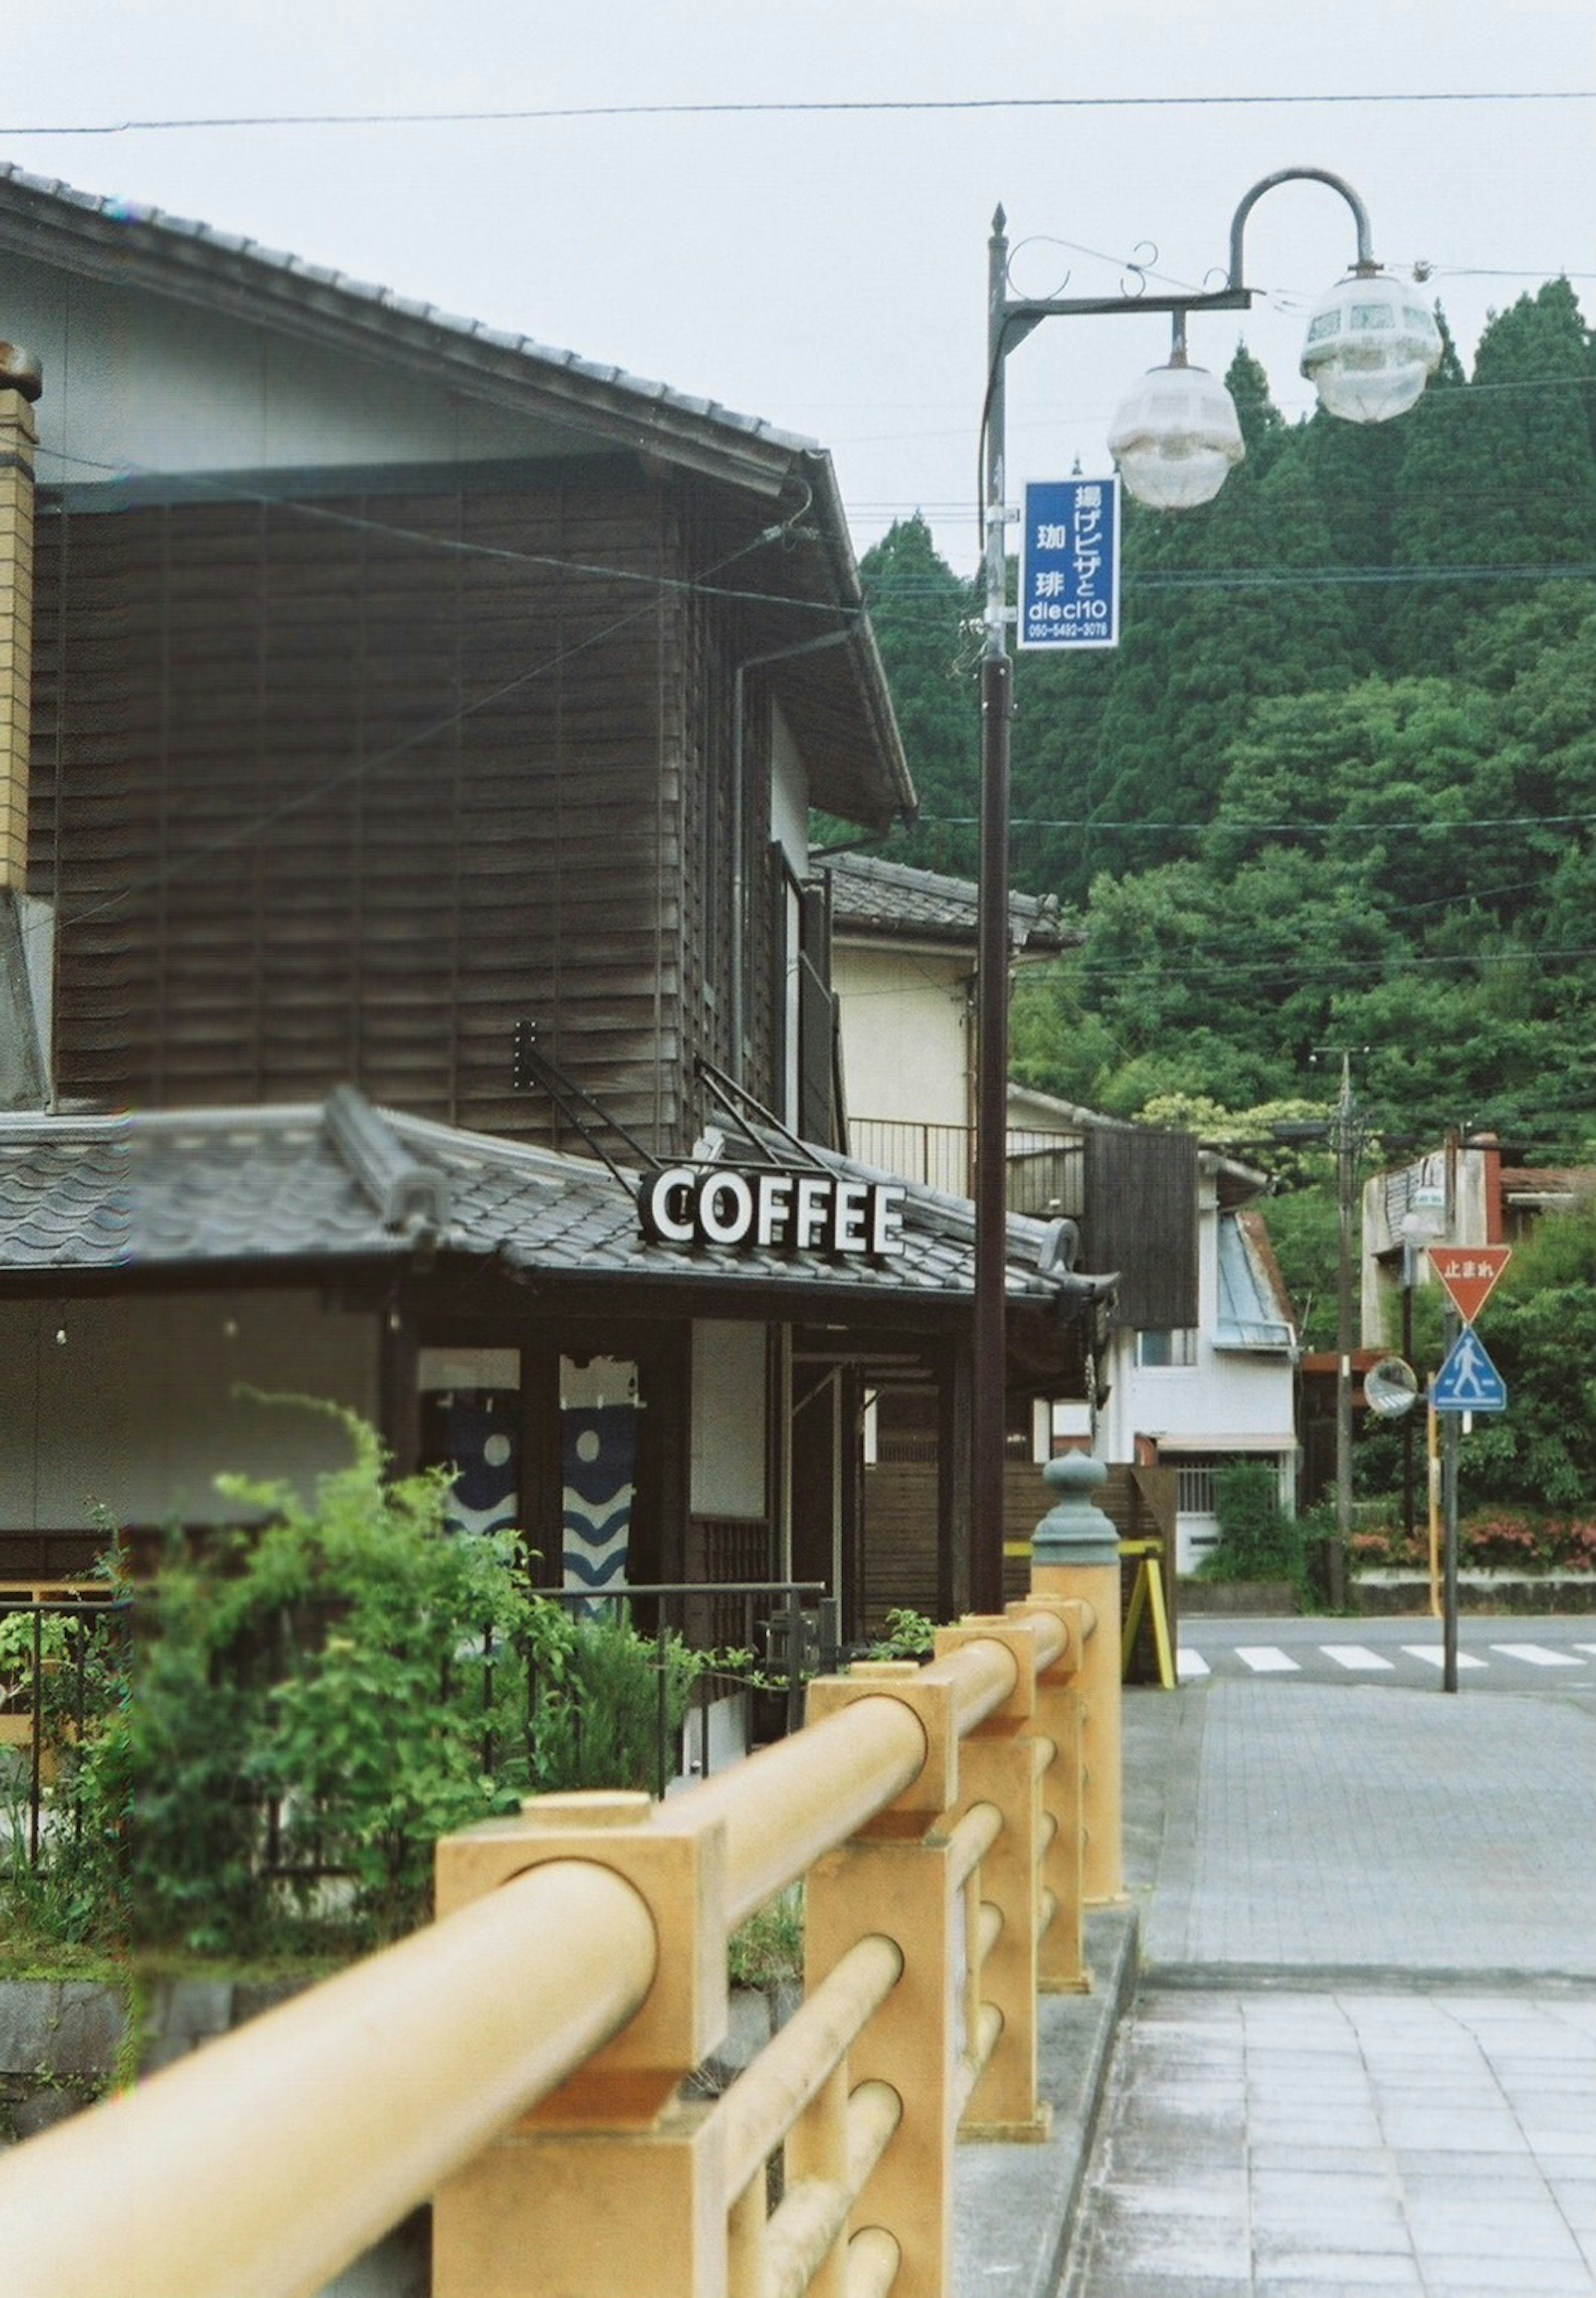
column 1336, row 788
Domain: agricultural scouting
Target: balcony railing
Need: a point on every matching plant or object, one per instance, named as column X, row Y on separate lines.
column 1047, row 1170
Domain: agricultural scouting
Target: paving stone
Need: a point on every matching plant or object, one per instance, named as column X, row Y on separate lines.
column 1375, row 1917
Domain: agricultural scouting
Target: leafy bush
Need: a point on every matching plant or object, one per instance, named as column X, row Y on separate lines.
column 908, row 1634
column 1257, row 1541
column 310, row 1704
column 317, row 1700
column 619, row 1700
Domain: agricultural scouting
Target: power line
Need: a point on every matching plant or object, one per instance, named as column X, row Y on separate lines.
column 1219, row 824
column 208, row 485
column 790, row 108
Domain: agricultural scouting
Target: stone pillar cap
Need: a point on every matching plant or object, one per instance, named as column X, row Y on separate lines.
column 1075, row 1530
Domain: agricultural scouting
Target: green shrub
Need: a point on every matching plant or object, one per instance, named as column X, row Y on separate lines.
column 1257, row 1541
column 619, row 1699
column 310, row 1704
column 908, row 1634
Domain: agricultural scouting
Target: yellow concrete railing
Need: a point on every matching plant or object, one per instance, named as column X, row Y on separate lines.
column 523, row 2062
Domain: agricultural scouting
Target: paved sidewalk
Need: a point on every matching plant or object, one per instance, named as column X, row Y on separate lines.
column 1363, row 2058
column 1363, row 2054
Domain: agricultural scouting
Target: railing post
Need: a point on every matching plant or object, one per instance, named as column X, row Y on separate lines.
column 1000, row 1764
column 896, row 1879
column 1061, row 1952
column 613, row 2184
column 1075, row 1553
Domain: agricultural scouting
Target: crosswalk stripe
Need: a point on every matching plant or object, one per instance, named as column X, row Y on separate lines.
column 1267, row 1659
column 1355, row 1656
column 1539, row 1655
column 1437, row 1656
column 1190, row 1666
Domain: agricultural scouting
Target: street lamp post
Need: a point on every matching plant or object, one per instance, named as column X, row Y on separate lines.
column 1371, row 349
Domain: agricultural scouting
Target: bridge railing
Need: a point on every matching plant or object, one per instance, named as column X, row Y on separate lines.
column 524, row 2061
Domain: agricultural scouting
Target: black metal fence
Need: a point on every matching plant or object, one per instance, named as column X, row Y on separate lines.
column 752, row 1646
column 57, row 1656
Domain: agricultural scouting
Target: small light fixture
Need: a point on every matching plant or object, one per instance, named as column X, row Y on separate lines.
column 1372, row 347
column 1176, row 437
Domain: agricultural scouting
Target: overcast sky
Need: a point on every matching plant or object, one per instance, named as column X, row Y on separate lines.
column 827, row 269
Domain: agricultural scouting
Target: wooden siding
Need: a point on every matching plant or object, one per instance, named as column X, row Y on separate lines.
column 900, row 1534
column 340, row 789
column 1140, row 1216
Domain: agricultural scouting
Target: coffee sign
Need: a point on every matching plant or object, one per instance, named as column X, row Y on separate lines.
column 773, row 1212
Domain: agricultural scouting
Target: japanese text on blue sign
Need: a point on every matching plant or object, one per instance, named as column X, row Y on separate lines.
column 1070, row 563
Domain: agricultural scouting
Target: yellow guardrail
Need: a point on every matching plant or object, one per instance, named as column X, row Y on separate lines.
column 524, row 2061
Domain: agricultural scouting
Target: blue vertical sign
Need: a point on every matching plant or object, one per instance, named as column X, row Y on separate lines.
column 1070, row 563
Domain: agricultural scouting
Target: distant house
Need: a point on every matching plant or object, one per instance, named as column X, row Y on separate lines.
column 1464, row 1193
column 902, row 965
column 398, row 686
column 1200, row 1397
column 1191, row 1364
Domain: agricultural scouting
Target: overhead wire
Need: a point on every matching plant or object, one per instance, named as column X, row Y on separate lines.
column 361, row 767
column 208, row 484
column 789, row 106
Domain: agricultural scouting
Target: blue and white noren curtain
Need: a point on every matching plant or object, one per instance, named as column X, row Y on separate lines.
column 485, row 1446
column 598, row 1445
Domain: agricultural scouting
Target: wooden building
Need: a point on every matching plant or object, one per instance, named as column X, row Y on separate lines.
column 395, row 683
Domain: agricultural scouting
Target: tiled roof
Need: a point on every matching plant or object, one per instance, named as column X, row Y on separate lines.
column 1560, row 1181
column 872, row 896
column 1253, row 1311
column 38, row 208
column 842, row 700
column 323, row 1186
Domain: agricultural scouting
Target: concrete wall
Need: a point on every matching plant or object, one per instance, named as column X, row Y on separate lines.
column 163, row 386
column 788, row 796
column 728, row 1420
column 133, row 1410
column 904, row 1034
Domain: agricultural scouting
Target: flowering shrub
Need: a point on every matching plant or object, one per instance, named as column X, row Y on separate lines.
column 1500, row 1541
column 1496, row 1540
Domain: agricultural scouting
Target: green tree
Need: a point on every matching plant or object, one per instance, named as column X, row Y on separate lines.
column 1499, row 473
column 921, row 614
column 1540, row 1330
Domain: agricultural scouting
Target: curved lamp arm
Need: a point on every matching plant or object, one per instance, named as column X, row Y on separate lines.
column 1238, row 222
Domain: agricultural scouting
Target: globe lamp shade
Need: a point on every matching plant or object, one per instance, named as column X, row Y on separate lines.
column 1176, row 437
column 1371, row 348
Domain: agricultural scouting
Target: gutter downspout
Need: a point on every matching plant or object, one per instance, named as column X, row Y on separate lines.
column 21, row 383
column 24, row 976
column 739, row 866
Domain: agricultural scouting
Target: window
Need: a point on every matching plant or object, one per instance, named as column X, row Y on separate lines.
column 1175, row 1347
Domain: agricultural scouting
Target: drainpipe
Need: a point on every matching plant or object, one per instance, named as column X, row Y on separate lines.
column 21, row 383
column 739, row 866
column 25, row 926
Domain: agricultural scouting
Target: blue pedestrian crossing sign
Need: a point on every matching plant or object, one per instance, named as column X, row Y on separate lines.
column 1469, row 1381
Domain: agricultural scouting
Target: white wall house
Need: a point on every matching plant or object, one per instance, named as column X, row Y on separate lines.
column 903, row 966
column 1192, row 1397
column 1198, row 1398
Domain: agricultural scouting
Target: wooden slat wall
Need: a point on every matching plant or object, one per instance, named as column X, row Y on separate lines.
column 1140, row 1218
column 900, row 1528
column 321, row 801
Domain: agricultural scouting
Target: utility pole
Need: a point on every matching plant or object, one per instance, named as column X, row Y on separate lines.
column 1345, row 1176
